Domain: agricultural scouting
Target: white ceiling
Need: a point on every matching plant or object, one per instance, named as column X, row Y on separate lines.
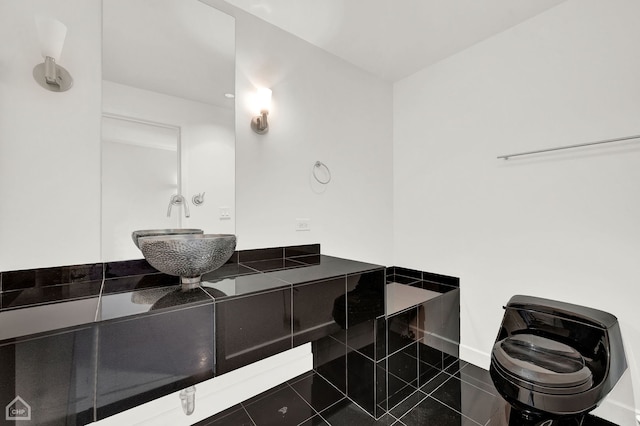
column 394, row 38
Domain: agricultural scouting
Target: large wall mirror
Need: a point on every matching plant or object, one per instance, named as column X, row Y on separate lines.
column 168, row 140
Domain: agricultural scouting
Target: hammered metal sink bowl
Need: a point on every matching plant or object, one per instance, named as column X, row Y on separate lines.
column 156, row 232
column 187, row 256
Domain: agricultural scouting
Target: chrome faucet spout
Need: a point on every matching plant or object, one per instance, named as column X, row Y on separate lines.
column 178, row 199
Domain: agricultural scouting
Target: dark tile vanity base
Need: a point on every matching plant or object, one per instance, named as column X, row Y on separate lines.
column 382, row 356
column 82, row 343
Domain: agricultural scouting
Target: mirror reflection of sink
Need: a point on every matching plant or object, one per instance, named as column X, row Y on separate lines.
column 188, row 255
column 156, row 232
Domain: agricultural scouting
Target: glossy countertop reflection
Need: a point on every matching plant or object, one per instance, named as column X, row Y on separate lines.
column 154, row 293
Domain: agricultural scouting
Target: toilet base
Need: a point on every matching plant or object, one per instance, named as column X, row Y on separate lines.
column 523, row 418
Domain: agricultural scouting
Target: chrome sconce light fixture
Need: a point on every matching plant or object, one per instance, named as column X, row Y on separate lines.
column 259, row 123
column 50, row 75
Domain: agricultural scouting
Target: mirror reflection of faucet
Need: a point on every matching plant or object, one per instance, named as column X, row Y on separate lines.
column 178, row 199
column 198, row 199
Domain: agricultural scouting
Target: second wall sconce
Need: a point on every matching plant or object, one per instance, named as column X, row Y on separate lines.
column 50, row 75
column 259, row 123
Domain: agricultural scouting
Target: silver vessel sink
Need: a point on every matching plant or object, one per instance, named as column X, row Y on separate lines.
column 188, row 256
column 155, row 232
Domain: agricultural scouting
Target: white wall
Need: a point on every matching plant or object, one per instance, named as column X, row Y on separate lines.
column 323, row 109
column 49, row 142
column 563, row 225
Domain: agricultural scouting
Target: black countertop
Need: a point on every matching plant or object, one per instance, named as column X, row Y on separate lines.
column 154, row 293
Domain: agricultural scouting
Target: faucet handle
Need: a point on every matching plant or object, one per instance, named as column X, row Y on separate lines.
column 198, row 199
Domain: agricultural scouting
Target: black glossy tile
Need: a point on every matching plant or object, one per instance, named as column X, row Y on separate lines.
column 365, row 296
column 53, row 375
column 407, row 404
column 137, row 282
column 404, row 280
column 328, row 267
column 450, row 328
column 430, row 355
column 234, row 416
column 367, row 338
column 441, row 279
column 451, row 364
column 429, row 365
column 477, row 377
column 252, row 328
column 246, row 285
column 50, row 294
column 42, row 277
column 309, row 260
column 473, row 402
column 404, row 364
column 317, row 392
column 433, row 384
column 233, row 258
column 260, row 254
column 273, row 264
column 406, row 272
column 303, row 250
column 228, row 270
column 437, row 287
column 151, row 301
column 381, row 388
column 316, row 420
column 283, row 407
column 330, row 361
column 33, row 321
column 346, row 413
column 397, row 391
column 432, row 412
column 146, row 357
column 401, row 330
column 315, row 308
column 361, row 385
column 127, row 268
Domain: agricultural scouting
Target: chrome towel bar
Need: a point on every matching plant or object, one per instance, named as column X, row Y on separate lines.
column 625, row 138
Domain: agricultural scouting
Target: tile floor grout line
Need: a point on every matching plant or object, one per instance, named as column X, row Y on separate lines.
column 453, row 409
column 306, row 402
column 409, row 410
column 249, row 415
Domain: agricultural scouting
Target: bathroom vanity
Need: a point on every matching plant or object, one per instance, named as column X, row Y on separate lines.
column 82, row 343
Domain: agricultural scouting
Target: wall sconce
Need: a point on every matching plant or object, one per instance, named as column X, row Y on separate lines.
column 50, row 75
column 259, row 123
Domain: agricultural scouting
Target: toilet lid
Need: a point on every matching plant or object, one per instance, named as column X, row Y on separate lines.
column 542, row 361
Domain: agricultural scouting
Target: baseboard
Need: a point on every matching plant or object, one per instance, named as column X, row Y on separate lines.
column 475, row 357
column 220, row 393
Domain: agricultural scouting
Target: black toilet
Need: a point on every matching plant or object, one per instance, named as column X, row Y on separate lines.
column 554, row 360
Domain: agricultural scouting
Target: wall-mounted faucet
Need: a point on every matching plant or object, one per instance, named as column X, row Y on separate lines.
column 178, row 199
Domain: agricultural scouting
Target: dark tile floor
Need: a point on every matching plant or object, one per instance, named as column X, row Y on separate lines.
column 462, row 395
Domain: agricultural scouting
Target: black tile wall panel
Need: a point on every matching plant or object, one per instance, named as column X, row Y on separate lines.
column 330, row 361
column 252, row 328
column 145, row 357
column 314, row 309
column 53, row 375
column 365, row 296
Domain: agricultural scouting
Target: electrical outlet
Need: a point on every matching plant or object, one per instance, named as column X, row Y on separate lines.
column 225, row 213
column 303, row 224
